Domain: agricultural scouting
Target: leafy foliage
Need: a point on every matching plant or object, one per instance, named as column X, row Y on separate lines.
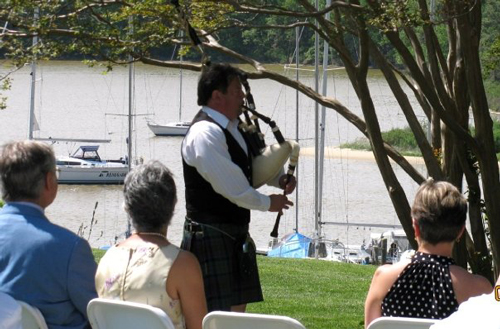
column 110, row 30
column 402, row 138
column 5, row 85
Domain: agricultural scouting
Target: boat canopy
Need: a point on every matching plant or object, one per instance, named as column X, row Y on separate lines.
column 292, row 245
column 87, row 152
column 90, row 148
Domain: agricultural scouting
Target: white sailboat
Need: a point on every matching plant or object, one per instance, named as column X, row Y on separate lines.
column 169, row 129
column 178, row 128
column 84, row 166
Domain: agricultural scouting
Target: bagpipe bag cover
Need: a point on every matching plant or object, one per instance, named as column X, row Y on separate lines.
column 270, row 162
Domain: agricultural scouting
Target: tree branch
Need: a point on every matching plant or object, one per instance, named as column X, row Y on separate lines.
column 279, row 11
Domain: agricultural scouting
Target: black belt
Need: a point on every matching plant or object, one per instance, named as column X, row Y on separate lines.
column 192, row 228
column 195, row 227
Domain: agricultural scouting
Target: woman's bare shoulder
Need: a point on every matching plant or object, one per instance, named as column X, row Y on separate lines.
column 467, row 284
column 186, row 261
column 185, row 272
column 391, row 269
column 385, row 275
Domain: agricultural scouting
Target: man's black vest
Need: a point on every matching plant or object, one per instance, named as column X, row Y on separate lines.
column 203, row 204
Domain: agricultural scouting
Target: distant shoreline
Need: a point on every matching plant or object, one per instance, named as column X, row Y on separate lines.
column 339, row 153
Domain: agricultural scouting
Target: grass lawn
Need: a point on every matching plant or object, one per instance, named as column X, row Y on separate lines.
column 320, row 294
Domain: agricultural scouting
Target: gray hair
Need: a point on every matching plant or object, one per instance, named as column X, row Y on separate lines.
column 440, row 211
column 23, row 168
column 150, row 196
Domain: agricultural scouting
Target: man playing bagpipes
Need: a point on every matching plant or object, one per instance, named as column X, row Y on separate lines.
column 217, row 165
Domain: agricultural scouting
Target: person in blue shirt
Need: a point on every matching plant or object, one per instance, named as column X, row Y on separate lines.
column 42, row 264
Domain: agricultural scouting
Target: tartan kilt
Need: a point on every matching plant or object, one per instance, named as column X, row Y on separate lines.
column 230, row 275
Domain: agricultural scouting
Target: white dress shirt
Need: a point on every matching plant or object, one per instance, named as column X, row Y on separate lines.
column 205, row 148
column 480, row 312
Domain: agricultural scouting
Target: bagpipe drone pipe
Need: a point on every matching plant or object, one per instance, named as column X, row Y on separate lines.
column 267, row 160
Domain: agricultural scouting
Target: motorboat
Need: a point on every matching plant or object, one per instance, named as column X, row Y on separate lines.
column 85, row 166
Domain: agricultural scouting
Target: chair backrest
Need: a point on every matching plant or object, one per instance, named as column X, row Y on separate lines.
column 401, row 323
column 32, row 318
column 227, row 320
column 116, row 314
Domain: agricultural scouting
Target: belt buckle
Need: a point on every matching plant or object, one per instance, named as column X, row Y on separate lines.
column 194, row 228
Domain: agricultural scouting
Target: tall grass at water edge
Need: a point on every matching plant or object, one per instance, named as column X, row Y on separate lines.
column 401, row 139
column 404, row 141
column 319, row 294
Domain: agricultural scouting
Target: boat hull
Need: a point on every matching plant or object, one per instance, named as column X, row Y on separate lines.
column 91, row 175
column 171, row 129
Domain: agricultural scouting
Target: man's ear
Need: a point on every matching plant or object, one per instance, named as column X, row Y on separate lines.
column 47, row 180
column 51, row 180
column 216, row 94
column 461, row 232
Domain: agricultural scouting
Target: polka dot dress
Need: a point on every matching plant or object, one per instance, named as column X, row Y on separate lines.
column 423, row 289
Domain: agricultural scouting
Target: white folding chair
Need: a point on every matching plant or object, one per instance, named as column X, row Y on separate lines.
column 10, row 312
column 228, row 320
column 32, row 318
column 401, row 323
column 116, row 314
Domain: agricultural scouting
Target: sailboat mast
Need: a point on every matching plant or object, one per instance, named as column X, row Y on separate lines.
column 180, row 82
column 297, row 40
column 33, row 83
column 322, row 128
column 131, row 88
column 317, row 215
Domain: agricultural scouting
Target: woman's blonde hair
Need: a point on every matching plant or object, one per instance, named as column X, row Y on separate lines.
column 439, row 210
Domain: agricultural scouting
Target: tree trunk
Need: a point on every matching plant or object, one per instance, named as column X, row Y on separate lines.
column 470, row 28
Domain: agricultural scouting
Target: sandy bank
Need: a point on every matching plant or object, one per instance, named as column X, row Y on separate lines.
column 335, row 152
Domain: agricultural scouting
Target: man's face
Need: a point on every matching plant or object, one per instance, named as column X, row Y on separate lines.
column 233, row 98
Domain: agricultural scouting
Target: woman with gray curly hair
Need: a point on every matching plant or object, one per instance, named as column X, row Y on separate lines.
column 430, row 285
column 146, row 267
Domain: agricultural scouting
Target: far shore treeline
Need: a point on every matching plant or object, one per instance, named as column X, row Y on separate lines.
column 275, row 46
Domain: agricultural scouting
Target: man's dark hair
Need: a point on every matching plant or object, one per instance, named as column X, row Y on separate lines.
column 215, row 77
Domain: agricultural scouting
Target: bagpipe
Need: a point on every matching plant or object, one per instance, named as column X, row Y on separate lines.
column 267, row 160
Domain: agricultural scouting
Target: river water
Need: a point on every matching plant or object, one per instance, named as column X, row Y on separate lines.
column 75, row 101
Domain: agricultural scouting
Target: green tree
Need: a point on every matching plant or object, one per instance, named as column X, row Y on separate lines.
column 434, row 51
